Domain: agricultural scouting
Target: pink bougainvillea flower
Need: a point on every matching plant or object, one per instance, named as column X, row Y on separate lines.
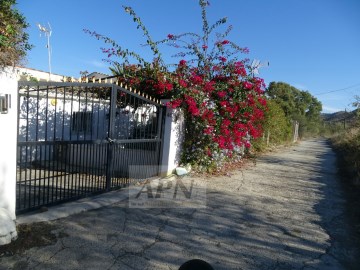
column 182, row 63
column 216, row 68
column 209, row 86
column 174, row 103
column 208, row 130
column 224, row 103
column 170, row 36
column 245, row 50
column 182, row 83
column 222, row 59
column 204, row 47
column 241, row 71
column 221, row 142
column 168, row 86
column 224, row 42
column 247, row 85
column 262, row 101
column 194, row 110
column 221, row 94
column 196, row 79
column 226, row 122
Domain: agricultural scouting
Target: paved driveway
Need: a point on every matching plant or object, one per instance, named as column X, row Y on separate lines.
column 285, row 212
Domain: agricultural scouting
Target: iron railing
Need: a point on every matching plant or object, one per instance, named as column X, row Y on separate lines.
column 77, row 139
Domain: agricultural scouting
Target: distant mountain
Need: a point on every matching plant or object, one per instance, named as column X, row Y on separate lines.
column 340, row 116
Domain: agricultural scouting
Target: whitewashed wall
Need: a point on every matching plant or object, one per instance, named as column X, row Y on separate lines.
column 8, row 134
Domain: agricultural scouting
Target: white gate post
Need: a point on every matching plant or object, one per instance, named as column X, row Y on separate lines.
column 173, row 137
column 8, row 141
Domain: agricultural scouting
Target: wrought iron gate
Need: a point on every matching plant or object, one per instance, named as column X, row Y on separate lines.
column 77, row 139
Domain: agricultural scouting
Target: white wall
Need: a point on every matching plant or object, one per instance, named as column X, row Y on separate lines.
column 8, row 135
column 172, row 141
column 38, row 74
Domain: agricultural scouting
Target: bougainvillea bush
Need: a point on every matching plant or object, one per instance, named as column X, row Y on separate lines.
column 222, row 101
column 222, row 111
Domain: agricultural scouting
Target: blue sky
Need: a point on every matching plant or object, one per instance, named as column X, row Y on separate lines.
column 313, row 45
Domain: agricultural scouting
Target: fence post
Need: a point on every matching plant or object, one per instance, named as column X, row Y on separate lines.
column 8, row 141
column 296, row 131
column 268, row 138
column 173, row 136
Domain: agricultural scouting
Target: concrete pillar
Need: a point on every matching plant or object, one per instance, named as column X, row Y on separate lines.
column 173, row 138
column 8, row 141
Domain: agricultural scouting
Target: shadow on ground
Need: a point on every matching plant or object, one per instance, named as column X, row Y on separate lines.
column 285, row 213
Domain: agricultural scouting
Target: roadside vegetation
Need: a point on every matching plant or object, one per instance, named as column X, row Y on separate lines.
column 345, row 138
column 288, row 105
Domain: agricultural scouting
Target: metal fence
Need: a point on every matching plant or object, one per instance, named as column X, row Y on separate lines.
column 77, row 139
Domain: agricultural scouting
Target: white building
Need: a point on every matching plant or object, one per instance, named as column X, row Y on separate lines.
column 25, row 73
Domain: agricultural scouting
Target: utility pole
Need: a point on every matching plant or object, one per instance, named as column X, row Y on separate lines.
column 345, row 119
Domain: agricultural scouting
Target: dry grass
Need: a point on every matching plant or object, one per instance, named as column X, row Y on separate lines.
column 348, row 145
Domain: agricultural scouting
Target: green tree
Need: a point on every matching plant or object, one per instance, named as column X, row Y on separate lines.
column 276, row 124
column 13, row 38
column 298, row 105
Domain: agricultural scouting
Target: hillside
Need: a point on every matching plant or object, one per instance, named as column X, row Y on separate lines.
column 349, row 117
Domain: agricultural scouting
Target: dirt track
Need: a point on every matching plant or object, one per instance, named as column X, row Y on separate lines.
column 287, row 212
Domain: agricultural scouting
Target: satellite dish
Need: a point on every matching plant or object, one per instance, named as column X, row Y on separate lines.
column 256, row 65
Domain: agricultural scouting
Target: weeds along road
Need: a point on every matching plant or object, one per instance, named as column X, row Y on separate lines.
column 286, row 212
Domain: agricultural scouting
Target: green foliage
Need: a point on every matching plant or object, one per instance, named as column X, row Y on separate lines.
column 204, row 49
column 277, row 124
column 298, row 106
column 149, row 41
column 278, row 129
column 13, row 40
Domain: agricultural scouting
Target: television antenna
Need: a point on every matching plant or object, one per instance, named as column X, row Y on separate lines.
column 47, row 32
column 256, row 65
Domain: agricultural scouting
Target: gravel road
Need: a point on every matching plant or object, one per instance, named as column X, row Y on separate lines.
column 286, row 212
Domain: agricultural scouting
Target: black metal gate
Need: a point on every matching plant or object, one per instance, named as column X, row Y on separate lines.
column 77, row 139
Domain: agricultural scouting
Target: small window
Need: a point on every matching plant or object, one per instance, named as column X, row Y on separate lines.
column 82, row 121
